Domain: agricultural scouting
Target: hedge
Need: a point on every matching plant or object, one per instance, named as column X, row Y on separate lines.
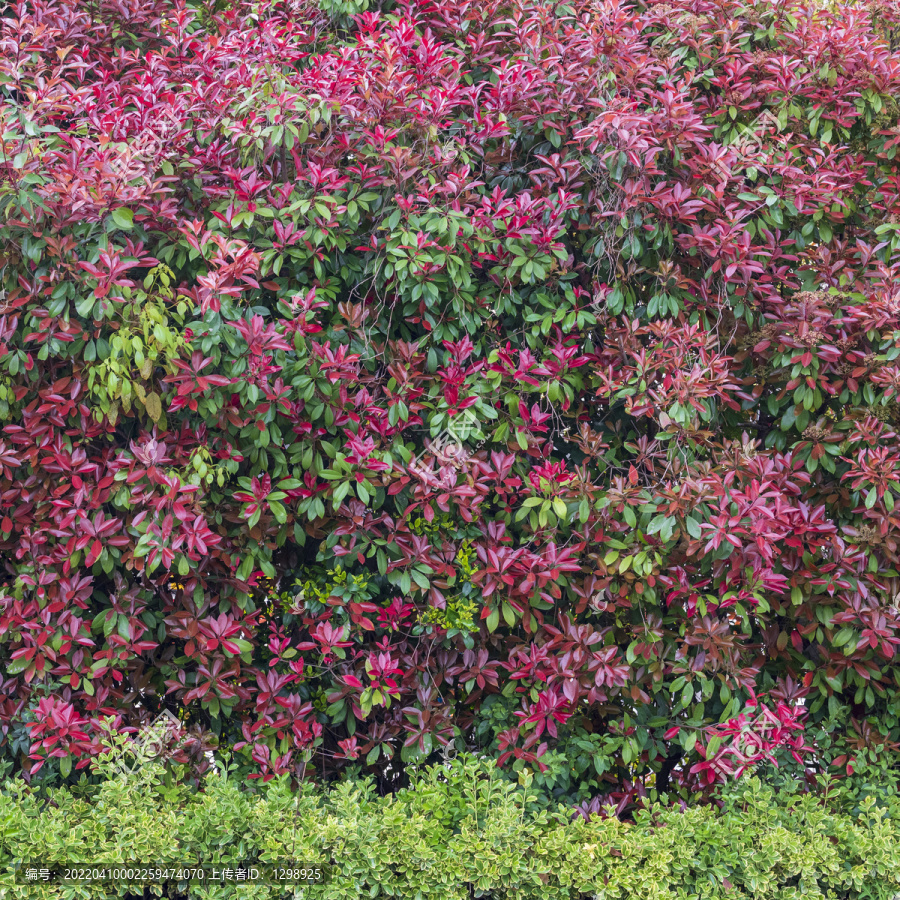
column 458, row 832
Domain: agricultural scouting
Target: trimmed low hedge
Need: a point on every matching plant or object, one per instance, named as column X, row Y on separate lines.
column 458, row 832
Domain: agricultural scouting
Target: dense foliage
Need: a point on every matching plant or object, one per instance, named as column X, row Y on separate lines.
column 640, row 259
column 456, row 833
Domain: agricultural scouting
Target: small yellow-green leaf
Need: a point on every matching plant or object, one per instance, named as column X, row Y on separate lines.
column 153, row 405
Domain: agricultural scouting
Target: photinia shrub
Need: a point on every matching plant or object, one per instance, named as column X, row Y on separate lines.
column 510, row 377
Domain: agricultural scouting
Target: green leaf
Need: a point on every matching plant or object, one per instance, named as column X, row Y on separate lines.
column 843, row 636
column 18, row 665
column 123, row 218
column 84, row 305
column 656, row 523
column 584, row 510
column 245, row 568
column 278, row 511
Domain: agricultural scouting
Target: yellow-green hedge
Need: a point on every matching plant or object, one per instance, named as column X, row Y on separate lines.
column 459, row 832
